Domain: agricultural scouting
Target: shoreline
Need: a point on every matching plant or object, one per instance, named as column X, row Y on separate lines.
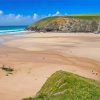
column 25, row 32
column 35, row 56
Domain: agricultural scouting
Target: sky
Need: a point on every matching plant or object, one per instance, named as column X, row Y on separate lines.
column 24, row 12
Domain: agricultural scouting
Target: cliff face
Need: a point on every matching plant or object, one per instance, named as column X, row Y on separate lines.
column 67, row 24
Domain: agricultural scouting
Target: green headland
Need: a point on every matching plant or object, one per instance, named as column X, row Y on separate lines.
column 67, row 86
column 69, row 23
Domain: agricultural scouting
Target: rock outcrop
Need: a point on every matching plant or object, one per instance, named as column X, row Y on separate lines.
column 67, row 24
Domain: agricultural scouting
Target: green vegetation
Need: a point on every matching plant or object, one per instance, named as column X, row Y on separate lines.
column 67, row 86
column 82, row 16
column 9, row 70
column 85, row 16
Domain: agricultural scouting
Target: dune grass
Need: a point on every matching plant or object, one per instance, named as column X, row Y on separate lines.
column 67, row 86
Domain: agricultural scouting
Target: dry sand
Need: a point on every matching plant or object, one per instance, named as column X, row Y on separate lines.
column 35, row 56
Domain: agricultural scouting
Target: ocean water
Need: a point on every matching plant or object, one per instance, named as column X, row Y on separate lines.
column 11, row 29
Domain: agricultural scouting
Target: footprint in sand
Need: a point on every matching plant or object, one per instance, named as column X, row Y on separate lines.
column 95, row 73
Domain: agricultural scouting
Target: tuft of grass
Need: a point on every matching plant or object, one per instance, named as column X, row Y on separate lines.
column 68, row 86
column 9, row 70
column 30, row 98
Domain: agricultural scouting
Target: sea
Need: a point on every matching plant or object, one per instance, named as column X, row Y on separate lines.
column 12, row 29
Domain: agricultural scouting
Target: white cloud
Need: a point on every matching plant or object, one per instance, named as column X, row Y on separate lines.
column 1, row 12
column 11, row 15
column 57, row 13
column 35, row 16
column 19, row 16
column 13, row 19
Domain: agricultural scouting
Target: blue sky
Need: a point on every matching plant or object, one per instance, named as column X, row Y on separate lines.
column 21, row 12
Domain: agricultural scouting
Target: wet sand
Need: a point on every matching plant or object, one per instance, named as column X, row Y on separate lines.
column 35, row 56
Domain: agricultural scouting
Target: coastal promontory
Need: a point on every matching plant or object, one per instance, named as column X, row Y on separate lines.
column 71, row 23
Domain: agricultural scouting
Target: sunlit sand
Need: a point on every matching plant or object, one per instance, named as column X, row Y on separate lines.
column 35, row 56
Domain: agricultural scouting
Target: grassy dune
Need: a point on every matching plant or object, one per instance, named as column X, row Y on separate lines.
column 67, row 86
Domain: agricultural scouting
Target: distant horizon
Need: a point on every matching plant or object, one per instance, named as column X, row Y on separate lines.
column 48, row 16
column 18, row 12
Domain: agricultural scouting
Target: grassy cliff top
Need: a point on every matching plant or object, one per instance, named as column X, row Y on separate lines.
column 67, row 86
column 46, row 20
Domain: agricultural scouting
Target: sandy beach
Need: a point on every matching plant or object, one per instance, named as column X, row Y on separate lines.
column 35, row 56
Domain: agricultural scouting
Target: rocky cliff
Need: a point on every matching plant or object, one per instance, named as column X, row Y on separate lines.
column 76, row 23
